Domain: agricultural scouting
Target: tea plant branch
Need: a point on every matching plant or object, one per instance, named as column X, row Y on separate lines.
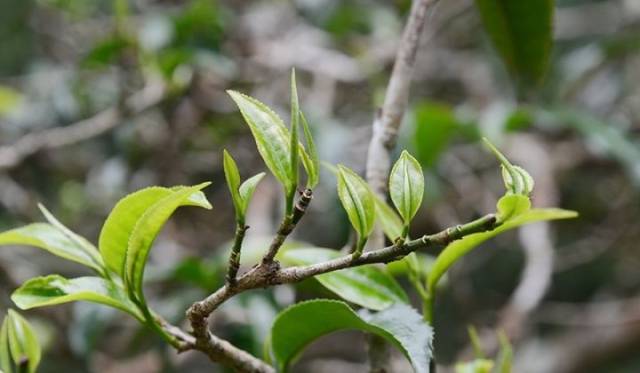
column 388, row 118
column 288, row 224
column 269, row 273
column 149, row 96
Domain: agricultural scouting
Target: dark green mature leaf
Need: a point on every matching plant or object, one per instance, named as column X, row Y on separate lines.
column 368, row 286
column 271, row 136
column 522, row 33
column 50, row 238
column 406, row 186
column 299, row 325
column 311, row 161
column 358, row 202
column 55, row 289
column 23, row 343
column 147, row 228
column 516, row 217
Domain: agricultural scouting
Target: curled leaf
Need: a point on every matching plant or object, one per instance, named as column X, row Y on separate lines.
column 406, row 186
column 358, row 202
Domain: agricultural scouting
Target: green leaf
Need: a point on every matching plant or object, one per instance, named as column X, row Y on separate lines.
column 517, row 217
column 50, row 238
column 247, row 188
column 271, row 136
column 232, row 175
column 522, row 33
column 23, row 343
column 512, row 205
column 369, row 286
column 389, row 220
column 358, row 202
column 117, row 229
column 147, row 228
column 82, row 242
column 55, row 289
column 6, row 362
column 513, row 180
column 312, row 161
column 475, row 366
column 406, row 186
column 299, row 325
column 293, row 141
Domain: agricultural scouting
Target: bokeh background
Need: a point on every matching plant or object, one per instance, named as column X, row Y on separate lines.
column 143, row 83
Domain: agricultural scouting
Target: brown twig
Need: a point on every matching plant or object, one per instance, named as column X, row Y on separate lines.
column 269, row 273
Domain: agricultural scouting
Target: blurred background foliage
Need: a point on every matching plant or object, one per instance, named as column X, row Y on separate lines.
column 577, row 132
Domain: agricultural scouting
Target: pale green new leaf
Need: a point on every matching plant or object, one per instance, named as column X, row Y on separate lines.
column 301, row 324
column 293, row 141
column 55, row 289
column 517, row 217
column 23, row 343
column 406, row 186
column 6, row 362
column 368, row 286
column 117, row 229
column 475, row 366
column 357, row 200
column 247, row 188
column 232, row 175
column 147, row 228
column 311, row 161
column 82, row 242
column 388, row 219
column 270, row 134
column 50, row 238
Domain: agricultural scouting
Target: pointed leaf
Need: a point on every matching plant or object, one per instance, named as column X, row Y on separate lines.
column 82, row 242
column 293, row 141
column 147, row 228
column 48, row 237
column 117, row 229
column 389, row 220
column 299, row 325
column 457, row 249
column 512, row 179
column 271, row 136
column 5, row 353
column 521, row 31
column 247, row 188
column 368, row 286
column 357, row 200
column 23, row 343
column 406, row 186
column 55, row 289
column 312, row 163
column 232, row 175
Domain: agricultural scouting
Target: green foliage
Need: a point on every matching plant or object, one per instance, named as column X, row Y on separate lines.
column 368, row 286
column 54, row 289
column 312, row 161
column 299, row 325
column 19, row 346
column 522, row 33
column 406, row 187
column 516, row 179
column 271, row 136
column 146, row 229
column 475, row 366
column 50, row 238
column 388, row 219
column 517, row 216
column 293, row 142
column 240, row 194
column 358, row 201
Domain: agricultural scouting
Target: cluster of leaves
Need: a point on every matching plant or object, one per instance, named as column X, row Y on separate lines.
column 132, row 226
column 19, row 347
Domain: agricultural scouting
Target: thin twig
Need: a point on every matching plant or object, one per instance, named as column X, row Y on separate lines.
column 269, row 274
